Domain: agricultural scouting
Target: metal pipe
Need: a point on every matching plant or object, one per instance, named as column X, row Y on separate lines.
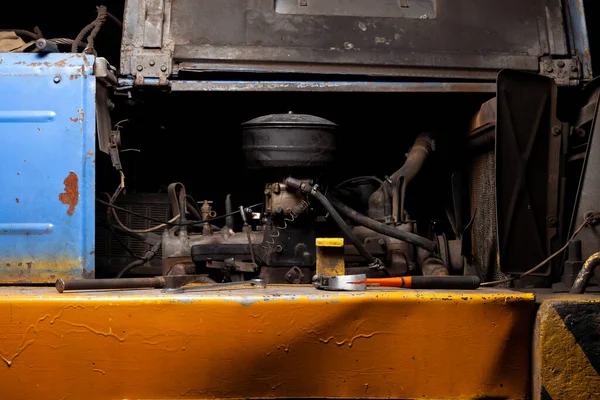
column 415, row 159
column 583, row 277
column 384, row 229
column 98, row 284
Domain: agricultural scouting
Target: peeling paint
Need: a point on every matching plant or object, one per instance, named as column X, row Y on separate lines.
column 347, row 350
column 70, row 196
column 61, row 63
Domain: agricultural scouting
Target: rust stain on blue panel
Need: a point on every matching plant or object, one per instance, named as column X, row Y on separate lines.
column 70, row 196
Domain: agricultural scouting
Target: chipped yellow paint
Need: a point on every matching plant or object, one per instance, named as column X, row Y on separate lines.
column 278, row 342
column 561, row 368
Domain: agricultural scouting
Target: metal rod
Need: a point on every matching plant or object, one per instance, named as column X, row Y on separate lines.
column 97, row 284
column 585, row 274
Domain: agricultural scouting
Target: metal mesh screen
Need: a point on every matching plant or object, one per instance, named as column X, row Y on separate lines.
column 108, row 249
column 483, row 205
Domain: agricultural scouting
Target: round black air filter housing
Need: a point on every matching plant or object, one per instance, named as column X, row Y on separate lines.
column 288, row 141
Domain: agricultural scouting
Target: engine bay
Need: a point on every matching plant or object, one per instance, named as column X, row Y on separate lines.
column 252, row 192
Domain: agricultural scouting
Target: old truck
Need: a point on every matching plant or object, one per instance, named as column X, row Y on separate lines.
column 302, row 199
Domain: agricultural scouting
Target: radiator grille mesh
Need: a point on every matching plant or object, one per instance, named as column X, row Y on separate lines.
column 107, row 244
column 483, row 205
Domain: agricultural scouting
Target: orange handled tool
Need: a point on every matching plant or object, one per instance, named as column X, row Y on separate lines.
column 424, row 282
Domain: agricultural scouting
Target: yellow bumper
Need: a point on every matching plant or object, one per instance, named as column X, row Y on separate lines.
column 279, row 342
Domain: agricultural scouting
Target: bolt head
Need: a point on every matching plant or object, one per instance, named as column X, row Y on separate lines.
column 580, row 132
column 57, row 79
column 549, row 69
column 556, row 130
column 163, row 68
column 552, row 222
column 151, row 62
column 140, row 67
column 561, row 64
column 574, row 68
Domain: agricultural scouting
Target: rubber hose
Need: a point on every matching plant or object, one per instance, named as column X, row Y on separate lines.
column 387, row 198
column 384, row 229
column 344, row 227
column 147, row 257
column 583, row 277
column 129, row 267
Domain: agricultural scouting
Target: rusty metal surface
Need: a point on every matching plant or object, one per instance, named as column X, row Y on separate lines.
column 447, row 39
column 327, row 86
column 330, row 256
column 278, row 342
column 47, row 134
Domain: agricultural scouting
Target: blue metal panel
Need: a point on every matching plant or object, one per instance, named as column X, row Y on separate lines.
column 47, row 175
column 578, row 35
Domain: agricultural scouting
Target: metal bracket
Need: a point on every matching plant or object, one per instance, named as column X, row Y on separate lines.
column 105, row 72
column 565, row 72
column 153, row 24
column 113, row 149
column 153, row 66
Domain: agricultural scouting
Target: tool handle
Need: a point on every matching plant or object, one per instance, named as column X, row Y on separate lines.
column 426, row 282
column 445, row 282
column 98, row 284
